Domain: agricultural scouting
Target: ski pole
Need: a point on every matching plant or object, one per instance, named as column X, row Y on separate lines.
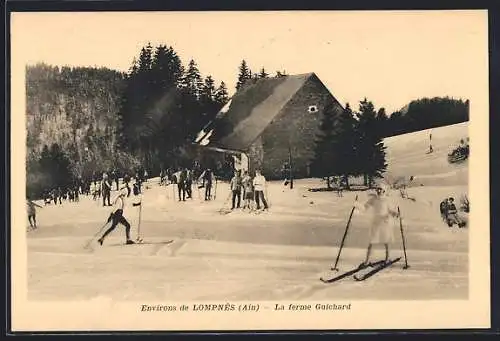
column 403, row 238
column 226, row 201
column 267, row 197
column 98, row 233
column 345, row 234
column 139, row 224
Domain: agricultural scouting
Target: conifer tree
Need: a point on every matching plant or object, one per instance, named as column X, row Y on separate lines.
column 383, row 122
column 263, row 73
column 369, row 145
column 324, row 161
column 221, row 95
column 244, row 74
column 209, row 106
column 344, row 144
column 192, row 81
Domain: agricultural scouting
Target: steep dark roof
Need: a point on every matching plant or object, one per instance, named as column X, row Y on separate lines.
column 249, row 112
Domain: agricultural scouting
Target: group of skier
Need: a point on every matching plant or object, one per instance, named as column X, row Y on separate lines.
column 243, row 187
column 449, row 213
column 251, row 189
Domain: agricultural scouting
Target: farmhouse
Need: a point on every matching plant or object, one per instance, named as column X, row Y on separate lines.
column 270, row 122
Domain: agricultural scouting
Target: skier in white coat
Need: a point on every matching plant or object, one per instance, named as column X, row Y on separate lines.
column 381, row 229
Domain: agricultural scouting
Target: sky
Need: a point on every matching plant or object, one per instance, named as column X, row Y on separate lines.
column 390, row 58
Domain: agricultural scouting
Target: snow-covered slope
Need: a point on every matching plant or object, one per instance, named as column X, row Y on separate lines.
column 408, row 155
column 193, row 252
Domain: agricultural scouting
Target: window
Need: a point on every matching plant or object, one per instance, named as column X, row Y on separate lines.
column 312, row 109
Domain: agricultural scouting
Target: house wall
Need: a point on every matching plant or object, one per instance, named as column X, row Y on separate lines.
column 297, row 128
column 256, row 156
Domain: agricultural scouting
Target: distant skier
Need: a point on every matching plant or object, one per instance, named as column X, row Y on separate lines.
column 138, row 180
column 32, row 212
column 207, row 177
column 58, row 196
column 106, row 190
column 430, row 143
column 248, row 193
column 381, row 229
column 340, row 186
column 236, row 184
column 181, row 185
column 126, row 181
column 117, row 218
column 259, row 184
column 137, row 198
column 162, row 177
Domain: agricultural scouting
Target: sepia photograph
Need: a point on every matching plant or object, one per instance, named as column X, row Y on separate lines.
column 306, row 167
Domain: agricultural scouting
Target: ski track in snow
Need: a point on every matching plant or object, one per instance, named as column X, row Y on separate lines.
column 276, row 255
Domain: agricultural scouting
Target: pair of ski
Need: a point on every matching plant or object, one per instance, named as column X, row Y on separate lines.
column 376, row 268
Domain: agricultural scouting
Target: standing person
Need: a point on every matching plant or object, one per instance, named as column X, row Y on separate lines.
column 341, row 185
column 32, row 212
column 430, row 142
column 208, row 179
column 248, row 194
column 236, row 184
column 118, row 218
column 54, row 196
column 181, row 185
column 59, row 195
column 259, row 184
column 126, row 180
column 162, row 177
column 106, row 190
column 138, row 181
column 381, row 230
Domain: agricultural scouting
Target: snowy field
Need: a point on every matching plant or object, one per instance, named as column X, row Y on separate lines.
column 192, row 252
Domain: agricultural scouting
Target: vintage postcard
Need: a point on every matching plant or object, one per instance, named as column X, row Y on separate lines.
column 278, row 170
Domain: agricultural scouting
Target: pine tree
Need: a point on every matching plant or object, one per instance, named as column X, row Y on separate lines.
column 383, row 122
column 324, row 161
column 344, row 144
column 208, row 90
column 208, row 104
column 146, row 58
column 244, row 74
column 192, row 81
column 263, row 73
column 370, row 148
column 221, row 95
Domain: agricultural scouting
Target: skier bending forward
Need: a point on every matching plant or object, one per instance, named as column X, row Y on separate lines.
column 381, row 230
column 118, row 218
